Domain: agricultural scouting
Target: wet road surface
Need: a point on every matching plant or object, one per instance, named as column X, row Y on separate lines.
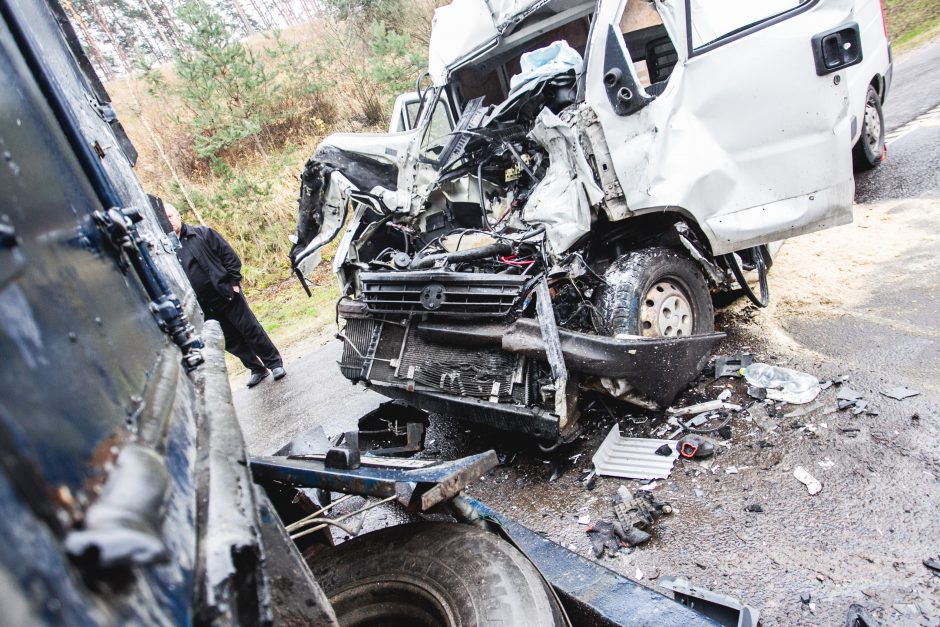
column 871, row 315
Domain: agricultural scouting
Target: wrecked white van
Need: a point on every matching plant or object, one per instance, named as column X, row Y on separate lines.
column 581, row 178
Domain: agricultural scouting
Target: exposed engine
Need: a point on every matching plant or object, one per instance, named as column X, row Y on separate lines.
column 475, row 279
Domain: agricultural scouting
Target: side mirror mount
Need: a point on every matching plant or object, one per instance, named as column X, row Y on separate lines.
column 625, row 93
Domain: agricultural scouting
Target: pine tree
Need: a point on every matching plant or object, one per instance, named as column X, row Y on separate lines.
column 223, row 84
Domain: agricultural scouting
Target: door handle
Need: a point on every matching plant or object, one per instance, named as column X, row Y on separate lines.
column 836, row 49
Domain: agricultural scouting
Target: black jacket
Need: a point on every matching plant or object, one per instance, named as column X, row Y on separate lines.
column 214, row 256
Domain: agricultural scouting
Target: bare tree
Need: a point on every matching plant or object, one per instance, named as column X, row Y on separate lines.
column 243, row 17
column 103, row 66
column 157, row 26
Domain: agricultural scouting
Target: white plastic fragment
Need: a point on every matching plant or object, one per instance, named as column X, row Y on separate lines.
column 783, row 384
column 812, row 484
column 584, row 520
column 633, row 458
column 701, row 408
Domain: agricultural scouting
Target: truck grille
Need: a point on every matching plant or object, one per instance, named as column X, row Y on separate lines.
column 456, row 294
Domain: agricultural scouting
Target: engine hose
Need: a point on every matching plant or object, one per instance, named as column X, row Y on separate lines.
column 761, row 265
column 492, row 250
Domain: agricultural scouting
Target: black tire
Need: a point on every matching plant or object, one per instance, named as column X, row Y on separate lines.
column 633, row 304
column 870, row 146
column 424, row 574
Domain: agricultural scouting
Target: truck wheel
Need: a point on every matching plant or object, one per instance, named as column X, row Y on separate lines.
column 656, row 292
column 870, row 146
column 431, row 574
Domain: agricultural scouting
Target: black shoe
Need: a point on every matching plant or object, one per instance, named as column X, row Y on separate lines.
column 278, row 372
column 256, row 378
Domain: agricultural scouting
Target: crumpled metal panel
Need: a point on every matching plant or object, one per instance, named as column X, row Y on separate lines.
column 633, row 458
column 562, row 200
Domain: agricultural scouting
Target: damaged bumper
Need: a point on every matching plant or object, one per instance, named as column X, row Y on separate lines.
column 504, row 374
column 656, row 367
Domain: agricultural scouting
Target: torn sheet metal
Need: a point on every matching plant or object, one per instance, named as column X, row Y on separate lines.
column 633, row 458
column 562, row 200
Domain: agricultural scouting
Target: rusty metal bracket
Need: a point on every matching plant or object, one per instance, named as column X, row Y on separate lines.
column 418, row 489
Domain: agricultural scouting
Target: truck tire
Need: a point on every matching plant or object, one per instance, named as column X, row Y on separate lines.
column 870, row 146
column 438, row 573
column 656, row 292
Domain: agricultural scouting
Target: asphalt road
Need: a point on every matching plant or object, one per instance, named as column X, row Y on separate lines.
column 860, row 301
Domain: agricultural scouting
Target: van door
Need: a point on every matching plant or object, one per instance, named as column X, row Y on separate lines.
column 748, row 133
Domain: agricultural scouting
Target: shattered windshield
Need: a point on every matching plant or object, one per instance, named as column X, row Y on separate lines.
column 437, row 130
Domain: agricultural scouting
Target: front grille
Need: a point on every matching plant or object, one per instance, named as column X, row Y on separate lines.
column 456, row 294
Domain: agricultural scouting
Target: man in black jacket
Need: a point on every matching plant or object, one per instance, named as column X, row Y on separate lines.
column 214, row 270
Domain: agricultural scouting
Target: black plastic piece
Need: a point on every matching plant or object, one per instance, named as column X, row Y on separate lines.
column 836, row 49
column 625, row 94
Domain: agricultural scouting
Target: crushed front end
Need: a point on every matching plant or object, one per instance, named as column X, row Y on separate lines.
column 476, row 269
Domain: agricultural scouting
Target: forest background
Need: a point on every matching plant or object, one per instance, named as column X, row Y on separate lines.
column 225, row 100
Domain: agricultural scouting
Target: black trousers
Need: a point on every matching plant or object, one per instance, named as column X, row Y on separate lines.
column 244, row 336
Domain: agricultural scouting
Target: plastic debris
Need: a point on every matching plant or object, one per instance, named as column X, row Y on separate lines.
column 695, row 446
column 730, row 366
column 933, row 565
column 695, row 409
column 754, row 507
column 899, row 393
column 812, row 484
column 604, row 537
column 858, row 616
column 783, row 384
column 632, row 458
column 802, row 411
column 584, row 520
column 637, row 513
column 724, row 395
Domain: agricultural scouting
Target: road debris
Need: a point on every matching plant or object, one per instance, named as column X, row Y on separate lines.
column 632, row 458
column 812, row 484
column 693, row 445
column 783, row 384
column 724, row 395
column 756, row 508
column 858, row 616
column 730, row 366
column 637, row 513
column 701, row 408
column 605, row 538
column 933, row 565
column 589, row 479
column 899, row 393
column 802, row 411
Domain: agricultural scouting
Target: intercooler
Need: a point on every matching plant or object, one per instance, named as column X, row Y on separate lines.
column 393, row 353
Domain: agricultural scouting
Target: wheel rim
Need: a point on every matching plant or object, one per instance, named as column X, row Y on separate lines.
column 666, row 311
column 872, row 127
